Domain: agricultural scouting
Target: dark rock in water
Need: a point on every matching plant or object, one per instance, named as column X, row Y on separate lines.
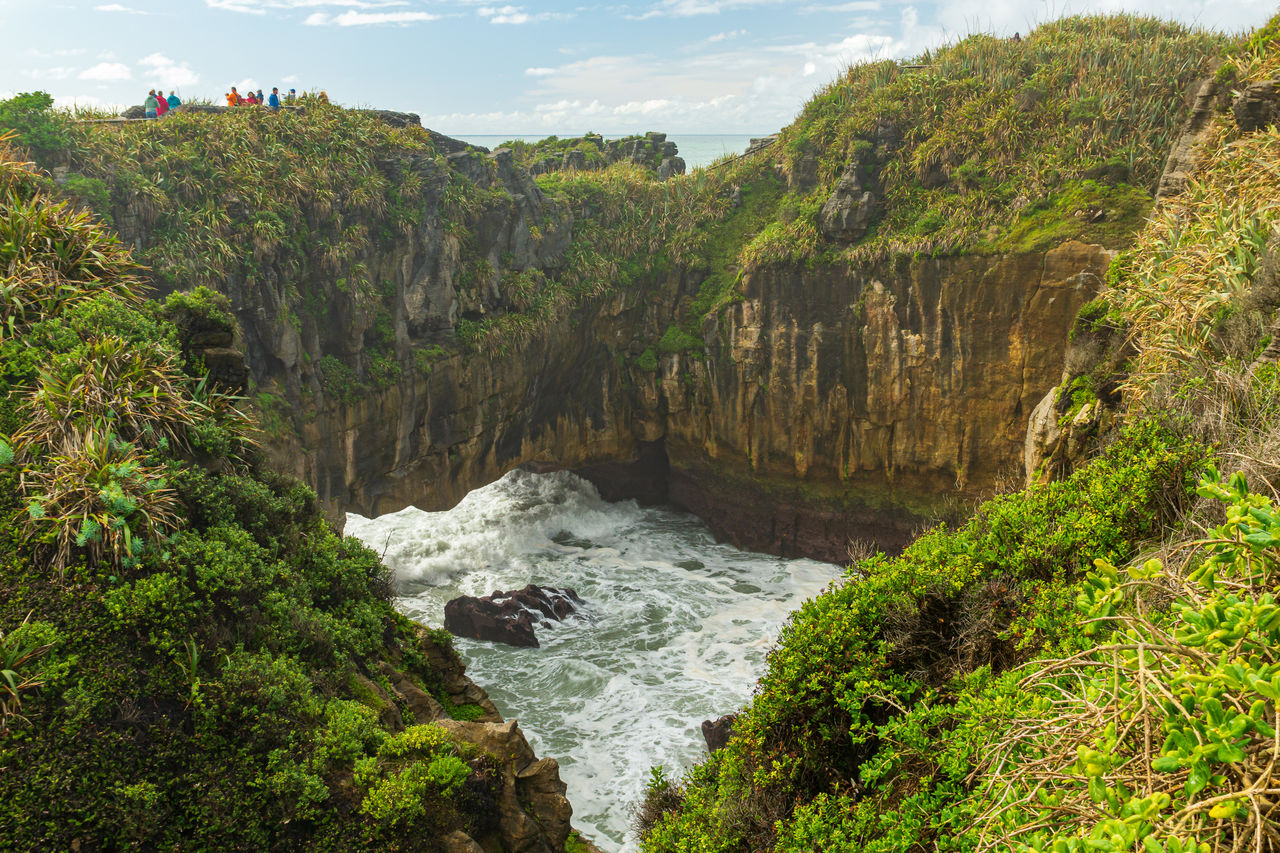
column 717, row 732
column 509, row 617
column 1257, row 106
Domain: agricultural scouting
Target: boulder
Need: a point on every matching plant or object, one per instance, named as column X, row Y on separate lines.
column 718, row 731
column 1258, row 106
column 669, row 167
column 848, row 211
column 509, row 617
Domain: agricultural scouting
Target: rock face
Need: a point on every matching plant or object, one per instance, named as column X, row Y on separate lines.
column 652, row 150
column 531, row 812
column 1258, row 106
column 1186, row 154
column 831, row 404
column 848, row 211
column 509, row 617
column 718, row 731
column 838, row 407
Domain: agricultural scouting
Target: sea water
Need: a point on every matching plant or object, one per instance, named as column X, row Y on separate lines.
column 697, row 149
column 673, row 630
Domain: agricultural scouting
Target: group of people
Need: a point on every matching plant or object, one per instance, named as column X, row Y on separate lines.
column 157, row 105
column 274, row 100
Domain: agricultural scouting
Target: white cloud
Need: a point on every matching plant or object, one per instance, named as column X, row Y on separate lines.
column 261, row 7
column 692, row 8
column 856, row 6
column 170, row 74
column 116, row 7
column 250, row 7
column 71, row 102
column 353, row 18
column 60, row 72
column 719, row 37
column 517, row 15
column 107, row 71
column 539, row 72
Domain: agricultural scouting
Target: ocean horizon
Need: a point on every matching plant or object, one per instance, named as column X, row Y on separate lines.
column 697, row 149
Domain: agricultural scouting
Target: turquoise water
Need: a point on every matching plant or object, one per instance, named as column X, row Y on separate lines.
column 697, row 149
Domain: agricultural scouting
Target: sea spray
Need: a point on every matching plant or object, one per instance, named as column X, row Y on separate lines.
column 674, row 629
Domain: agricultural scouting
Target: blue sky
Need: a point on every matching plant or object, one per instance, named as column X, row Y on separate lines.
column 466, row 66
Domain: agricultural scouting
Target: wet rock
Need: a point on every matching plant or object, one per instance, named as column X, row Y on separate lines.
column 718, row 731
column 1258, row 106
column 509, row 617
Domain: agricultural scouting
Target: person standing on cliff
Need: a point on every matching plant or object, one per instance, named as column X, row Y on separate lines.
column 151, row 104
column 274, row 100
column 233, row 98
column 174, row 103
column 162, row 106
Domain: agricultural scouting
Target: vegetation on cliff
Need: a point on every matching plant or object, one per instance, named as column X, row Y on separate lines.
column 190, row 658
column 1089, row 664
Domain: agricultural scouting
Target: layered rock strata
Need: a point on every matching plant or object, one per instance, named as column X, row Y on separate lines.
column 830, row 405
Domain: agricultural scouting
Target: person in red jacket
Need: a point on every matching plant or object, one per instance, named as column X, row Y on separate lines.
column 162, row 106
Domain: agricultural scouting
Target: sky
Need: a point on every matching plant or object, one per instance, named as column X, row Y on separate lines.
column 475, row 67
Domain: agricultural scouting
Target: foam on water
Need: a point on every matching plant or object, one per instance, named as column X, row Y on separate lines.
column 674, row 630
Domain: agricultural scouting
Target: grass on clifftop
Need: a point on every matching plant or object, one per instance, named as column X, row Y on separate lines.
column 964, row 142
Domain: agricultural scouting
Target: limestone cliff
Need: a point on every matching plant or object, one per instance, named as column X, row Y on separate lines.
column 830, row 403
column 835, row 338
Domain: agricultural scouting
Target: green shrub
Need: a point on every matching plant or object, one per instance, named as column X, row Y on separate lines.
column 676, row 340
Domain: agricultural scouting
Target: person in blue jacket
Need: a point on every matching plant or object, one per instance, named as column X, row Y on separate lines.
column 274, row 100
column 174, row 103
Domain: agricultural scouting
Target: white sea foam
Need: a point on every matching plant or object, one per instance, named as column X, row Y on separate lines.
column 674, row 629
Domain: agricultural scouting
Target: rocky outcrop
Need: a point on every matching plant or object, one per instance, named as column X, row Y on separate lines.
column 591, row 152
column 525, row 808
column 1257, row 106
column 718, row 731
column 509, row 617
column 849, row 209
column 530, row 811
column 1187, row 152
